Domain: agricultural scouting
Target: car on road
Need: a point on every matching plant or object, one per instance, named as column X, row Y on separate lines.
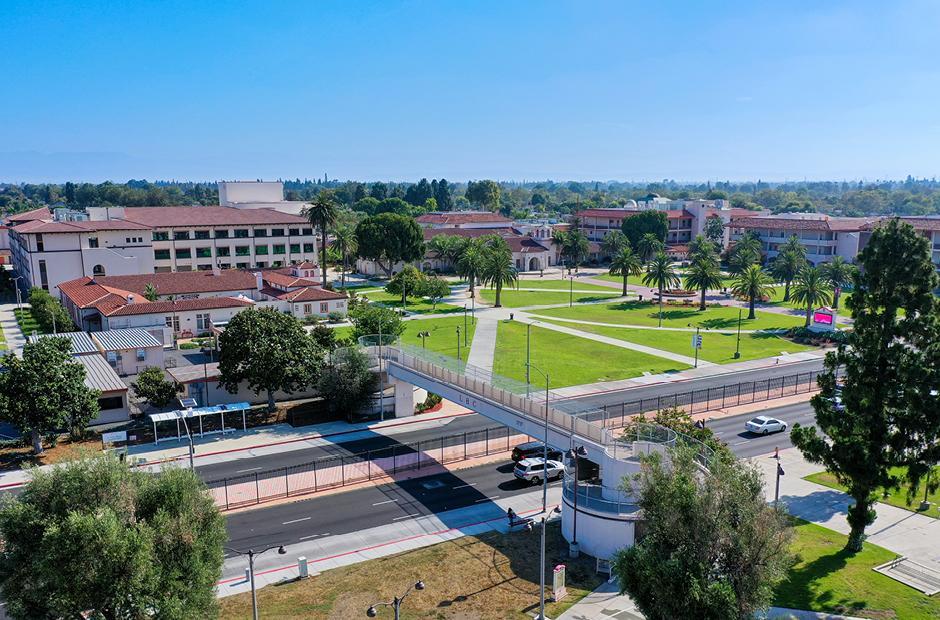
column 765, row 425
column 535, row 470
column 533, row 449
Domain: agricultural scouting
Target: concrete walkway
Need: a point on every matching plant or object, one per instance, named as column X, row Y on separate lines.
column 483, row 346
column 653, row 327
column 11, row 330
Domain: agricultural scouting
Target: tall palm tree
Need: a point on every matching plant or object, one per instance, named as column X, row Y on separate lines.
column 701, row 246
column 811, row 289
column 660, row 273
column 498, row 270
column 445, row 246
column 793, row 244
column 613, row 242
column 785, row 267
column 347, row 244
column 470, row 263
column 322, row 213
column 839, row 273
column 649, row 245
column 625, row 264
column 703, row 274
column 745, row 252
column 752, row 284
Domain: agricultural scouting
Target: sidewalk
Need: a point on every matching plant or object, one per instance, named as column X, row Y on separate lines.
column 11, row 331
column 483, row 346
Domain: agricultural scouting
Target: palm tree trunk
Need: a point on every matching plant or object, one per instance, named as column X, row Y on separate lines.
column 343, row 275
column 36, row 438
column 323, row 251
column 809, row 312
column 499, row 289
column 835, row 299
column 660, row 306
column 750, row 313
column 786, row 291
column 702, row 304
column 625, row 286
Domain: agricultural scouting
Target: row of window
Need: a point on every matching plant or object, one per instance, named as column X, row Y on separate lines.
column 239, row 265
column 240, row 250
column 221, row 233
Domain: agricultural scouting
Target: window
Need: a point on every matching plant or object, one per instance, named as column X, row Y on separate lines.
column 141, row 355
column 260, row 265
column 202, row 322
column 261, row 232
column 295, row 248
column 127, row 239
column 202, row 234
column 110, row 402
column 223, row 251
column 203, row 252
column 308, row 231
column 97, row 270
column 293, row 231
column 277, row 263
column 112, row 357
column 184, row 253
column 324, row 307
column 280, row 249
column 308, row 308
column 180, row 234
column 39, row 244
column 43, row 275
column 221, row 234
column 241, row 265
column 225, row 265
column 261, row 250
column 203, row 267
column 161, row 235
column 241, row 233
column 92, row 242
column 242, row 250
column 308, row 247
column 173, row 322
column 161, row 255
column 277, row 232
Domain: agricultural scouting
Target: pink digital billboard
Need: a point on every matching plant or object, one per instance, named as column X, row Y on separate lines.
column 823, row 318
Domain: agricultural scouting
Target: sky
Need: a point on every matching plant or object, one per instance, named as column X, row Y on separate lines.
column 634, row 91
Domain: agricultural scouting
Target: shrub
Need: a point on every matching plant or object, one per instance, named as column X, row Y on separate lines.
column 152, row 386
column 336, row 317
column 430, row 402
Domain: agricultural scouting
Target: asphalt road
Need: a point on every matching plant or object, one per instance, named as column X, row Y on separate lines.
column 353, row 511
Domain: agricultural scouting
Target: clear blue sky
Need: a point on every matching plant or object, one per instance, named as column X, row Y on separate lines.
column 95, row 90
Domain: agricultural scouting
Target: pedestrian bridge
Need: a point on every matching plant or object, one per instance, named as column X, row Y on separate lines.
column 606, row 512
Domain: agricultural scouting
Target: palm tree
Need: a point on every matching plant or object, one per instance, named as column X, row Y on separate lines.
column 793, row 245
column 445, row 247
column 346, row 244
column 613, row 242
column 498, row 270
column 838, row 273
column 649, row 245
column 812, row 289
column 150, row 292
column 625, row 264
column 660, row 273
column 701, row 246
column 470, row 263
column 322, row 213
column 785, row 267
column 752, row 284
column 703, row 274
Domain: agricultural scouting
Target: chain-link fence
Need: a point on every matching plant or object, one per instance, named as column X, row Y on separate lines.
column 340, row 470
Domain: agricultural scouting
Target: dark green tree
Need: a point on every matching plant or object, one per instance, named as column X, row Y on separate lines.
column 661, row 274
column 269, row 351
column 498, row 270
column 322, row 213
column 811, row 290
column 625, row 264
column 612, row 242
column 153, row 387
column 886, row 377
column 651, row 221
column 838, row 272
column 484, row 194
column 388, row 238
column 715, row 230
column 151, row 546
column 712, row 548
column 704, row 274
column 324, row 336
column 371, row 320
column 752, row 284
column 419, row 193
column 49, row 312
column 408, row 281
column 444, row 196
column 44, row 391
column 347, row 382
column 785, row 268
column 435, row 289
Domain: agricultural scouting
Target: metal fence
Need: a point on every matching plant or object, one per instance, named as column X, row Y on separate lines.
column 709, row 399
column 340, row 470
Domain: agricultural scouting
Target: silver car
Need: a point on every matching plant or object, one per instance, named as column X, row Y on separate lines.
column 765, row 425
column 535, row 470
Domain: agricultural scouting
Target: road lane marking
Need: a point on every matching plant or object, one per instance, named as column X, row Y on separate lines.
column 464, row 486
column 407, row 517
column 388, row 501
column 486, row 499
column 296, row 520
column 241, row 471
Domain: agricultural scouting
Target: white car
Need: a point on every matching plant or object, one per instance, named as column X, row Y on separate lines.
column 764, row 425
column 535, row 470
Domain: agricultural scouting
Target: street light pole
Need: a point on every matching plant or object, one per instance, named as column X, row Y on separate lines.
column 780, row 472
column 251, row 553
column 737, row 351
column 528, row 332
column 697, row 329
column 395, row 603
column 545, row 441
column 381, row 377
column 570, row 291
column 192, row 449
column 465, row 325
column 458, row 347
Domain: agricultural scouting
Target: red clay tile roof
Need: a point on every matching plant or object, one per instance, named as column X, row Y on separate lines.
column 179, row 305
column 787, row 223
column 430, row 233
column 286, row 279
column 461, row 217
column 619, row 214
column 168, row 217
column 41, row 213
column 919, row 223
column 525, row 245
column 310, row 293
column 44, row 227
column 182, row 282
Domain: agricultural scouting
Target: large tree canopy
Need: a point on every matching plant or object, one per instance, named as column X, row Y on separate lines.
column 269, row 351
column 45, row 390
column 651, row 221
column 96, row 539
column 388, row 238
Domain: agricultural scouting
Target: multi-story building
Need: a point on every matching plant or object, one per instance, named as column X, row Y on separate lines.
column 258, row 195
column 135, row 240
column 463, row 219
column 597, row 223
column 822, row 236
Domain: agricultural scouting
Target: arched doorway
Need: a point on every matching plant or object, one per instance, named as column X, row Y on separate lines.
column 534, row 264
column 97, row 270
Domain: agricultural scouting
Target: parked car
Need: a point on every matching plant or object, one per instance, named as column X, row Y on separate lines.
column 535, row 470
column 764, row 425
column 532, row 449
column 837, row 403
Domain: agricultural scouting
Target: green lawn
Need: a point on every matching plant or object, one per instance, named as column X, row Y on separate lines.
column 717, row 348
column 569, row 360
column 27, row 323
column 641, row 313
column 415, row 305
column 443, row 338
column 895, row 497
column 562, row 285
column 520, row 299
column 826, row 578
column 777, row 300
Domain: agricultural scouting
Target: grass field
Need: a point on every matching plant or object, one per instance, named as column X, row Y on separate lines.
column 562, row 285
column 716, row 348
column 826, row 578
column 415, row 305
column 27, row 323
column 894, row 497
column 777, row 300
column 520, row 299
column 489, row 577
column 443, row 338
column 569, row 360
column 638, row 280
column 641, row 313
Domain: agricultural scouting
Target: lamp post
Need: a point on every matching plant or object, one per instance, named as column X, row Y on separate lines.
column 737, row 351
column 780, row 472
column 545, row 440
column 189, row 436
column 422, row 336
column 570, row 291
column 465, row 325
column 395, row 603
column 381, row 378
column 697, row 345
column 251, row 553
column 19, row 299
column 575, row 454
column 458, row 347
column 543, row 520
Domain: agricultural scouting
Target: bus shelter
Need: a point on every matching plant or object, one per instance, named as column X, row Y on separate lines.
column 198, row 413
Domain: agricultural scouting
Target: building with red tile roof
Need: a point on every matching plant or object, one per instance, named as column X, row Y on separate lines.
column 463, row 219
